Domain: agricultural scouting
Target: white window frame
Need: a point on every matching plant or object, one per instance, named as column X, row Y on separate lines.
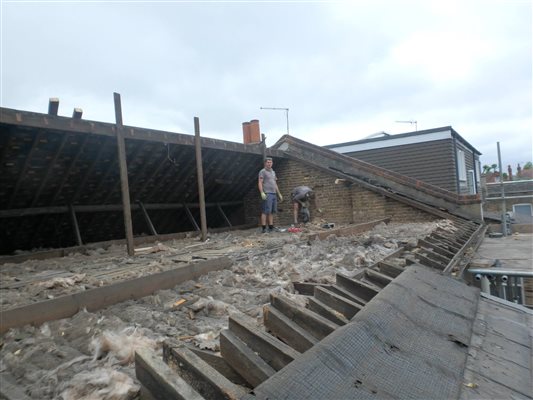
column 461, row 165
column 472, row 189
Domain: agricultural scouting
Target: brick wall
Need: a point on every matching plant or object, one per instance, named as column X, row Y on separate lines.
column 341, row 202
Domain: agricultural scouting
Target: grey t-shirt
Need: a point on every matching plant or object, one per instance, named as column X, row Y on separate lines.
column 299, row 192
column 269, row 180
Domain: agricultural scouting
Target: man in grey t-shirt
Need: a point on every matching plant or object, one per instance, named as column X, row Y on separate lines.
column 301, row 197
column 268, row 188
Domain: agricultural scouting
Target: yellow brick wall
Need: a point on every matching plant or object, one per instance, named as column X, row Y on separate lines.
column 341, row 202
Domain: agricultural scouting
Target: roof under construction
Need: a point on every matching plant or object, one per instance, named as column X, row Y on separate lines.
column 52, row 167
column 61, row 182
column 357, row 310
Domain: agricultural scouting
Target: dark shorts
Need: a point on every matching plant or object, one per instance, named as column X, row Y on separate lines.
column 270, row 205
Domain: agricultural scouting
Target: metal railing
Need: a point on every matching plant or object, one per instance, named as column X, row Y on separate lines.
column 502, row 283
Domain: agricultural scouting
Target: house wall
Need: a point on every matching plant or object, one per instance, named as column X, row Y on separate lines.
column 470, row 164
column 432, row 162
column 340, row 203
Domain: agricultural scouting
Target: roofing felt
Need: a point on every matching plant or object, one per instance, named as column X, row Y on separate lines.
column 499, row 364
column 424, row 336
column 410, row 341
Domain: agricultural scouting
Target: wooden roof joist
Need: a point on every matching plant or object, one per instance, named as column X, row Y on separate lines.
column 23, row 212
column 31, row 120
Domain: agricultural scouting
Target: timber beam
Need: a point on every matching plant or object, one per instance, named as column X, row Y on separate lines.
column 326, row 311
column 205, row 379
column 339, row 303
column 276, row 353
column 356, row 287
column 159, row 380
column 289, row 332
column 244, row 360
column 313, row 323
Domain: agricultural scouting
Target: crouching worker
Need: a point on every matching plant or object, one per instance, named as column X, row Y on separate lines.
column 301, row 197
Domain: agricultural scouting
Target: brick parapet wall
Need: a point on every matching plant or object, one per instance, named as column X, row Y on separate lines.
column 341, row 203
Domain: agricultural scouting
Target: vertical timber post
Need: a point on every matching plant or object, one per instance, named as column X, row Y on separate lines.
column 121, row 144
column 263, row 147
column 200, row 173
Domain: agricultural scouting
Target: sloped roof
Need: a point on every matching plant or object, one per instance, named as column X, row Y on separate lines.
column 49, row 163
column 425, row 336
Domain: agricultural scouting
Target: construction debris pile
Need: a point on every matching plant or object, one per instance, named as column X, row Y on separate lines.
column 90, row 355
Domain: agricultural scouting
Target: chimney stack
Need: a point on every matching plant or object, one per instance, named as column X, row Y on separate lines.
column 76, row 113
column 250, row 132
column 53, row 105
column 255, row 135
column 246, row 132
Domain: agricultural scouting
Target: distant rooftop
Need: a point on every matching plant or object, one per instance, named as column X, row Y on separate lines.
column 383, row 139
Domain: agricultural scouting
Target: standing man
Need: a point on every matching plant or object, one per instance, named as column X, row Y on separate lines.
column 268, row 188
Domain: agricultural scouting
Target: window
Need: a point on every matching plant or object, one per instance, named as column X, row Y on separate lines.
column 523, row 209
column 471, row 183
column 461, row 165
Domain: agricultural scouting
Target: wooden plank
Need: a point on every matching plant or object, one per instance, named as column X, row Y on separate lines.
column 315, row 324
column 276, row 353
column 347, row 295
column 435, row 247
column 147, row 218
column 306, row 288
column 75, row 226
column 326, row 311
column 205, row 379
column 429, row 262
column 435, row 256
column 377, row 278
column 459, row 235
column 451, row 245
column 356, row 287
column 221, row 211
column 243, row 360
column 64, row 125
column 191, row 218
column 98, row 298
column 123, row 167
column 218, row 363
column 288, row 331
column 159, row 380
column 388, row 269
column 200, row 177
column 341, row 304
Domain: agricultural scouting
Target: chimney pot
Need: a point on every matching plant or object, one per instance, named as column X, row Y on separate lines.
column 246, row 132
column 255, row 135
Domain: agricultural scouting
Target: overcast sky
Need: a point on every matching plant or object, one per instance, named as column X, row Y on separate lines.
column 345, row 70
